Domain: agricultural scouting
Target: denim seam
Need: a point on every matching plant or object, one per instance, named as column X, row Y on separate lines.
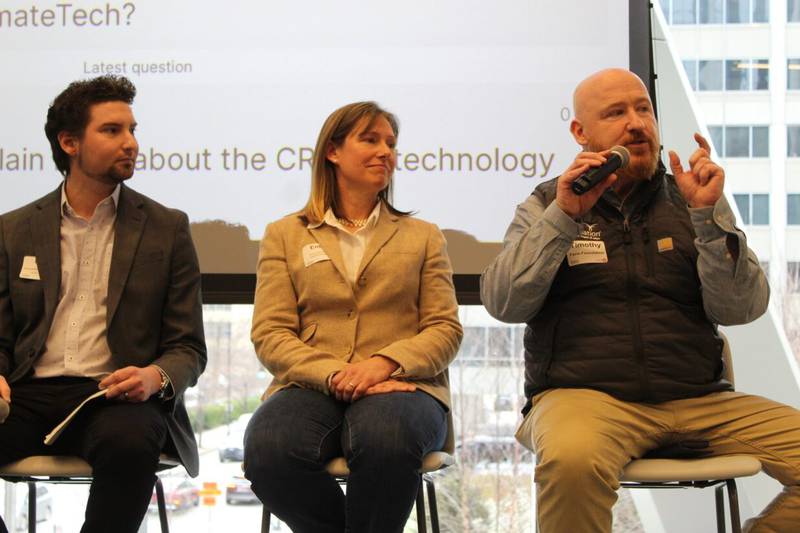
column 319, row 447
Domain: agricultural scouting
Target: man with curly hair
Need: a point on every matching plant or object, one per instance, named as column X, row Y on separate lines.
column 99, row 288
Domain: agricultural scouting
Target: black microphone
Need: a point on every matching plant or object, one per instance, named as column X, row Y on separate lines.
column 618, row 158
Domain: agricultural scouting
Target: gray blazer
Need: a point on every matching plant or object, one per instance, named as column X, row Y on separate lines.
column 154, row 309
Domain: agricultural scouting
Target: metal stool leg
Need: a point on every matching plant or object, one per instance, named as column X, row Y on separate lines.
column 733, row 502
column 422, row 527
column 265, row 519
column 162, row 506
column 432, row 504
column 31, row 507
column 719, row 500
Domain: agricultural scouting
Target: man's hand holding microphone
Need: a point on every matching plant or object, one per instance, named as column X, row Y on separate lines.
column 587, row 178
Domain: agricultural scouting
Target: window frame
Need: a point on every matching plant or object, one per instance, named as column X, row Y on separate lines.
column 752, row 9
column 721, row 145
column 748, row 217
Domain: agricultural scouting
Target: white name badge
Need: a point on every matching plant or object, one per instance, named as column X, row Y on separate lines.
column 29, row 268
column 585, row 252
column 313, row 253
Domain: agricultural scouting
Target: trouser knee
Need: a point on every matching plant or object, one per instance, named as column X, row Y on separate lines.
column 574, row 470
column 126, row 454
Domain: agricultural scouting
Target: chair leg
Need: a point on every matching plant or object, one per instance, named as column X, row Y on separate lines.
column 31, row 507
column 422, row 527
column 733, row 502
column 162, row 506
column 719, row 500
column 432, row 504
column 536, row 510
column 265, row 519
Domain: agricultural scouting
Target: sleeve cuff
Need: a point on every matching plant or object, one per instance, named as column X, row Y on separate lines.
column 561, row 221
column 713, row 222
column 397, row 371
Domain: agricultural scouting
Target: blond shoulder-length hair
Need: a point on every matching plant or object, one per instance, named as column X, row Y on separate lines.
column 337, row 127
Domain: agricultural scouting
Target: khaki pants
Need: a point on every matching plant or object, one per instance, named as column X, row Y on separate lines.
column 584, row 438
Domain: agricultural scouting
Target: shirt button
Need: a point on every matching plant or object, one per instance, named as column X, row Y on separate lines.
column 81, row 297
column 74, row 324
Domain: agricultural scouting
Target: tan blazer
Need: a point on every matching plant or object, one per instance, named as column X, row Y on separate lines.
column 309, row 321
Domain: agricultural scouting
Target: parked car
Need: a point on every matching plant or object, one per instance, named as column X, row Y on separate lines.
column 238, row 491
column 492, row 449
column 233, row 449
column 179, row 493
column 44, row 507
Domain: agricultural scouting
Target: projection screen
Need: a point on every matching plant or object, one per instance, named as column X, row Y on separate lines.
column 232, row 96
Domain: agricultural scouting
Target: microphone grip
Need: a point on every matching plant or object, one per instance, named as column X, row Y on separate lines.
column 4, row 410
column 589, row 179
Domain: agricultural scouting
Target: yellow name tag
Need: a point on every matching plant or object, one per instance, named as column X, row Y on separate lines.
column 665, row 245
column 585, row 252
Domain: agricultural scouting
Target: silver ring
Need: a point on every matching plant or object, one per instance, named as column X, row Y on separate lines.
column 351, row 386
column 125, row 395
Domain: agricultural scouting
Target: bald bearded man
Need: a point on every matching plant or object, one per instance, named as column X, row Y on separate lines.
column 622, row 289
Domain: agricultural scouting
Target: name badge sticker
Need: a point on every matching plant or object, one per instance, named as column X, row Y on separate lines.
column 586, row 252
column 665, row 244
column 29, row 268
column 313, row 253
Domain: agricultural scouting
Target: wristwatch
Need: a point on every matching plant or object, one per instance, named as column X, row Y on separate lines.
column 164, row 386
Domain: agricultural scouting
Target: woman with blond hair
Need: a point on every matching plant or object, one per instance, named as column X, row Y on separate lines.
column 356, row 318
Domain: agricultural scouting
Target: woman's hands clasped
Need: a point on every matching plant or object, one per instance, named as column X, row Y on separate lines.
column 367, row 377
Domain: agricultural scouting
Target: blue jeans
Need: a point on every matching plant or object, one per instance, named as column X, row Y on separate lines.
column 384, row 437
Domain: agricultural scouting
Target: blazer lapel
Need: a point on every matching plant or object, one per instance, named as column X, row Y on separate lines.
column 326, row 237
column 386, row 228
column 46, row 232
column 128, row 229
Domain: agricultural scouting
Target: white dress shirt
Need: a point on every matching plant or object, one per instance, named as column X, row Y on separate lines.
column 353, row 244
column 76, row 344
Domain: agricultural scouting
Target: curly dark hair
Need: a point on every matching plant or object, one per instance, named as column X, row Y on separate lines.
column 70, row 110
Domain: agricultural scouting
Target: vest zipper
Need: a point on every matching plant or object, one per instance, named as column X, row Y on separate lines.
column 648, row 250
column 632, row 291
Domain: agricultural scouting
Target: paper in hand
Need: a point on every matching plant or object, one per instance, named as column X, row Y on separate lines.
column 53, row 435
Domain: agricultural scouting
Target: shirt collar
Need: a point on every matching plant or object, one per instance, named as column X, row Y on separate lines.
column 67, row 209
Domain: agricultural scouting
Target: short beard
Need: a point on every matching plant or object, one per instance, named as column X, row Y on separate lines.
column 118, row 177
column 637, row 170
column 640, row 170
column 112, row 175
